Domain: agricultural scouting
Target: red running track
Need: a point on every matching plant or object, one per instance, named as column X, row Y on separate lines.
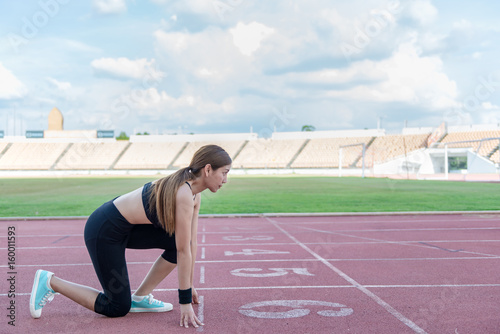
column 339, row 274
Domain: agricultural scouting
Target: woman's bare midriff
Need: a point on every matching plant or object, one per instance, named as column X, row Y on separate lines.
column 131, row 207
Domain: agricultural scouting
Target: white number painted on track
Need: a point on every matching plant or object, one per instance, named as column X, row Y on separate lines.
column 254, row 252
column 245, row 272
column 242, row 238
column 298, row 310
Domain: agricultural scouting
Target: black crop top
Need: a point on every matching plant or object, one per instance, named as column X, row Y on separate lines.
column 151, row 213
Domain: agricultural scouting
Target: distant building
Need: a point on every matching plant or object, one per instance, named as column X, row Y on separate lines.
column 56, row 120
column 56, row 130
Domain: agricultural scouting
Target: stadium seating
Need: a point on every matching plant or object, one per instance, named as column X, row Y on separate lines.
column 388, row 147
column 487, row 147
column 34, row 156
column 286, row 150
column 89, row 155
column 149, row 155
column 496, row 157
column 231, row 147
column 324, row 152
column 268, row 153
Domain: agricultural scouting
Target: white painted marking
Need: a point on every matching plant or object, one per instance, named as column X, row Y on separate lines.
column 244, row 272
column 265, row 261
column 241, row 238
column 402, row 243
column 202, row 253
column 248, row 228
column 418, row 229
column 296, row 312
column 373, row 242
column 248, row 251
column 201, row 309
column 202, row 274
column 399, row 221
column 203, row 238
column 367, row 292
column 440, row 286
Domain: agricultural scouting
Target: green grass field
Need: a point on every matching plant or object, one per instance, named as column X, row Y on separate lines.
column 80, row 196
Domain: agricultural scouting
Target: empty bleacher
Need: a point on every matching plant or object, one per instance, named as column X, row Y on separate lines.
column 34, row 156
column 324, row 152
column 149, row 155
column 231, row 147
column 268, row 153
column 385, row 148
column 495, row 157
column 282, row 151
column 484, row 148
column 90, row 155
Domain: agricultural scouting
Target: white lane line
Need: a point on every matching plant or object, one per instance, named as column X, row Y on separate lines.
column 336, row 231
column 427, row 286
column 201, row 310
column 368, row 242
column 399, row 221
column 419, row 229
column 202, row 253
column 361, row 288
column 275, row 260
column 401, row 243
column 202, row 274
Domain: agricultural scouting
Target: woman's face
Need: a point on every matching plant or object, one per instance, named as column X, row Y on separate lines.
column 216, row 178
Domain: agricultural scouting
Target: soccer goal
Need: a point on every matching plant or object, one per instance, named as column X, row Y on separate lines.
column 342, row 157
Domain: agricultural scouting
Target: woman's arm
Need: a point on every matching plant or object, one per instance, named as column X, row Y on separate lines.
column 183, row 218
column 194, row 242
column 184, row 212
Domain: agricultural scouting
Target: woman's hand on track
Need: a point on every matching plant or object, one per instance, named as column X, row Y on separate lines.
column 188, row 316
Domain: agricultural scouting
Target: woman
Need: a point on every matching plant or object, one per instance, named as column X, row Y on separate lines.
column 161, row 214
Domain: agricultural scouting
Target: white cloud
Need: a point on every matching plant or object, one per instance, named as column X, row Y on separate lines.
column 59, row 84
column 247, row 37
column 187, row 108
column 422, row 11
column 405, row 77
column 124, row 67
column 110, row 6
column 10, row 86
column 206, row 55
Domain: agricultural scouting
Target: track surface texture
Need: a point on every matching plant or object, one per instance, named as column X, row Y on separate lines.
column 339, row 274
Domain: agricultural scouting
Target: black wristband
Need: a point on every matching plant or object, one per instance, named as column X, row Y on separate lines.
column 185, row 296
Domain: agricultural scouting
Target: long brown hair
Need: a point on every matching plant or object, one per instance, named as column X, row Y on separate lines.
column 164, row 192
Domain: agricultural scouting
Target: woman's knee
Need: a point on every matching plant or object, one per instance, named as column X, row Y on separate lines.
column 112, row 308
column 119, row 311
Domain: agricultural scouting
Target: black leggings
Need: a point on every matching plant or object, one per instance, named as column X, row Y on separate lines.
column 107, row 235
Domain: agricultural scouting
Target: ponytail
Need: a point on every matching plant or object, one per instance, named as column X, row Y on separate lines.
column 164, row 192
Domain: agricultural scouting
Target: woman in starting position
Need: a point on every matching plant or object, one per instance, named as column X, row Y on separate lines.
column 162, row 214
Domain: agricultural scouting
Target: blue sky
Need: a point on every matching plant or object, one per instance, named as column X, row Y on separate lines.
column 223, row 66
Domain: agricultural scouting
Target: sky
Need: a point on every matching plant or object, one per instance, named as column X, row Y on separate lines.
column 239, row 66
